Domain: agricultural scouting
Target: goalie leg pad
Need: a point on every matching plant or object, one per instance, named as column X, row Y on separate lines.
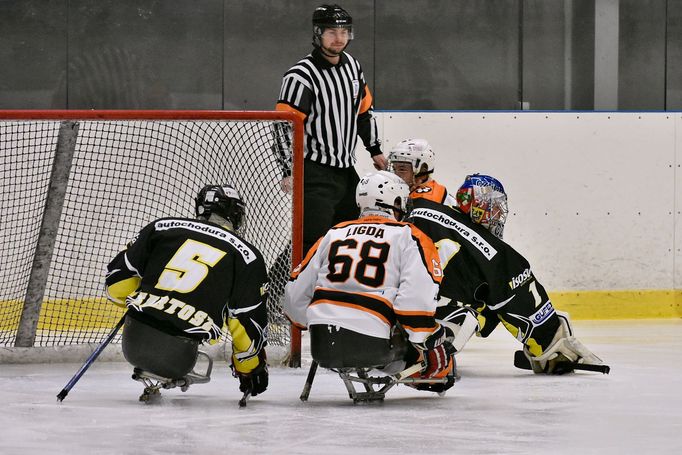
column 564, row 350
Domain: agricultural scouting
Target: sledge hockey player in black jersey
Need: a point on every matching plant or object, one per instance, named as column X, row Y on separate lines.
column 181, row 279
column 483, row 272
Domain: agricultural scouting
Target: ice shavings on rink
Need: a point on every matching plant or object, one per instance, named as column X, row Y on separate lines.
column 494, row 409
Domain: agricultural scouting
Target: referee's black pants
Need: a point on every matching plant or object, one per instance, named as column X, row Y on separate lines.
column 328, row 199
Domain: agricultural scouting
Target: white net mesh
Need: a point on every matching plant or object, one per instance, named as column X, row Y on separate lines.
column 124, row 174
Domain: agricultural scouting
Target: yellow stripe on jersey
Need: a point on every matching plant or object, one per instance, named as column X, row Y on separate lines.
column 118, row 291
column 241, row 343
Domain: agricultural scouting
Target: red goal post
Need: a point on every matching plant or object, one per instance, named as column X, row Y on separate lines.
column 78, row 184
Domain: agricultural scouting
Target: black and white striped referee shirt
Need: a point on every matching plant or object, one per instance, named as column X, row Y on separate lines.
column 336, row 106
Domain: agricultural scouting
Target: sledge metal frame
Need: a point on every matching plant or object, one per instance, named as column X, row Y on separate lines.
column 154, row 383
column 377, row 386
column 374, row 383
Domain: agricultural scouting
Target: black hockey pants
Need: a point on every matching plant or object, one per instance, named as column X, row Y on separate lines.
column 156, row 351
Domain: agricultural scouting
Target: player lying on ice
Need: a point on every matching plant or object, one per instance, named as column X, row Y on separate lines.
column 485, row 280
column 181, row 280
column 367, row 292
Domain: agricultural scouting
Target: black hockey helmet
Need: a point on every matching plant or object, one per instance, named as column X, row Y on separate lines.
column 330, row 16
column 224, row 201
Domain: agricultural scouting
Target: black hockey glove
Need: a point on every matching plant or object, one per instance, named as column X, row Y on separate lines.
column 255, row 381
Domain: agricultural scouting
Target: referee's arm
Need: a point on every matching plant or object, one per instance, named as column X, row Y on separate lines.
column 368, row 131
column 294, row 96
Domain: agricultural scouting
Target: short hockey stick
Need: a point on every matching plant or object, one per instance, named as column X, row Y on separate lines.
column 416, row 368
column 522, row 362
column 65, row 391
column 309, row 381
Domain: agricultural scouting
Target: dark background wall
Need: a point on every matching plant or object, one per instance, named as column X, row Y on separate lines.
column 420, row 55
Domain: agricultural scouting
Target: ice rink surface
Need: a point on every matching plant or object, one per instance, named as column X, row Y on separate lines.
column 494, row 409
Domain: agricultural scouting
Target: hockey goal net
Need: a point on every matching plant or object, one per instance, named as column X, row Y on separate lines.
column 77, row 186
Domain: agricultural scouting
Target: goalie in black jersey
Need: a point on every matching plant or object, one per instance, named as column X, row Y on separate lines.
column 483, row 273
column 182, row 279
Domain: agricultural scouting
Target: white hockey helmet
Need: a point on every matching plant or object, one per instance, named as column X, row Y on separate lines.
column 383, row 191
column 416, row 152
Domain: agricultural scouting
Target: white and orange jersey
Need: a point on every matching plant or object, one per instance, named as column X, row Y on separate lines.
column 434, row 191
column 366, row 275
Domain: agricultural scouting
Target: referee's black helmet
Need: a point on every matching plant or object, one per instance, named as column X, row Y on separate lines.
column 330, row 16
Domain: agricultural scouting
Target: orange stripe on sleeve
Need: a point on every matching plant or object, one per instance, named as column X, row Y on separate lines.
column 304, row 263
column 430, row 253
column 366, row 102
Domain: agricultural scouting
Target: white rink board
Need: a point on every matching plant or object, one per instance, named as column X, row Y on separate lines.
column 678, row 202
column 595, row 198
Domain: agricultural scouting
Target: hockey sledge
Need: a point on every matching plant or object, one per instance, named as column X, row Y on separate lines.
column 370, row 372
column 153, row 383
column 372, row 385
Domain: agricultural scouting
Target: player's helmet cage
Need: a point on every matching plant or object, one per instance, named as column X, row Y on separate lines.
column 417, row 152
column 385, row 192
column 224, row 201
column 483, row 198
column 330, row 16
